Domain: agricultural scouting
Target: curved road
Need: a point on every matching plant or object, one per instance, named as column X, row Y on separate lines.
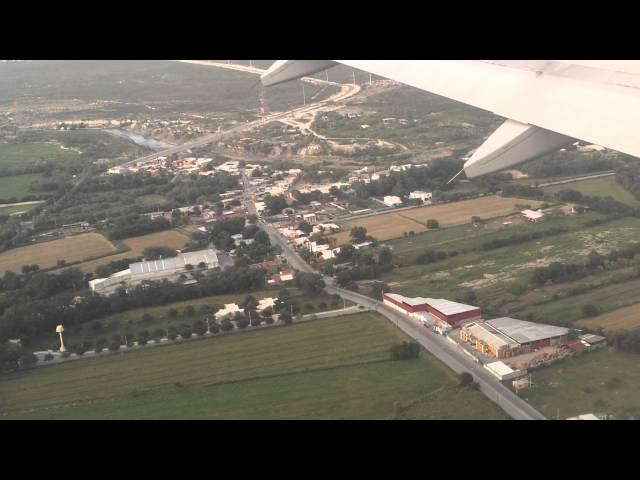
column 436, row 344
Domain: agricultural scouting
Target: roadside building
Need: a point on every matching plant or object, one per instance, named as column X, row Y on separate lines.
column 502, row 371
column 78, row 227
column 447, row 311
column 421, row 195
column 392, row 201
column 505, row 337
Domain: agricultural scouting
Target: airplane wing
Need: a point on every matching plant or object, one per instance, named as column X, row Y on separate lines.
column 547, row 103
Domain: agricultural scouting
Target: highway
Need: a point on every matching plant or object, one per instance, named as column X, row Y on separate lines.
column 436, row 344
column 330, row 103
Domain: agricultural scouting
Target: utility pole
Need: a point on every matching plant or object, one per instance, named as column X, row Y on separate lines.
column 354, row 77
column 370, row 79
column 304, row 98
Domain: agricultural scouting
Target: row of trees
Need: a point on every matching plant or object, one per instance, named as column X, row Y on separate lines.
column 31, row 317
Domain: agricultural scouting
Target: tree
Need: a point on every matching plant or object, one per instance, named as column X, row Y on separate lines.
column 226, row 325
column 189, row 311
column 158, row 333
column 199, row 328
column 186, row 332
column 286, row 317
column 305, row 227
column 172, row 332
column 143, row 337
column 114, row 346
column 189, row 267
column 589, row 310
column 242, row 323
column 475, row 219
column 155, row 253
column 465, row 379
column 431, row 224
column 249, row 303
column 310, row 283
column 147, row 318
column 358, row 234
column 404, row 350
column 172, row 313
column 469, row 296
column 27, row 359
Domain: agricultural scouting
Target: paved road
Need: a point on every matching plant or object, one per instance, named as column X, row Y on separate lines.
column 330, row 103
column 436, row 344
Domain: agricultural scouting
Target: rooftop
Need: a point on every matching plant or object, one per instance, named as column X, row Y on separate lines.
column 525, row 332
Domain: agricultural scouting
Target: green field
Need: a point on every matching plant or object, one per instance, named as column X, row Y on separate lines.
column 17, row 186
column 489, row 272
column 569, row 309
column 597, row 187
column 336, row 368
column 597, row 382
column 17, row 208
column 16, row 155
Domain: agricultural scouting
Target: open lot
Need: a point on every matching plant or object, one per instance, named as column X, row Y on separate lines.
column 17, row 209
column 621, row 319
column 18, row 185
column 393, row 225
column 45, row 255
column 167, row 238
column 597, row 187
column 569, row 309
column 491, row 273
column 604, row 381
column 336, row 368
column 15, row 155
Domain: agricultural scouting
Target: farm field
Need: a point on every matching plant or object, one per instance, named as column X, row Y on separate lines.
column 597, row 187
column 393, row 225
column 618, row 320
column 46, row 254
column 490, row 272
column 17, row 208
column 16, row 186
column 15, row 156
column 168, row 238
column 336, row 368
column 603, row 381
column 569, row 309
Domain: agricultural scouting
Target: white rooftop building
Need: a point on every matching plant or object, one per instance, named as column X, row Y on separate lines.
column 229, row 310
column 422, row 195
column 392, row 200
column 533, row 215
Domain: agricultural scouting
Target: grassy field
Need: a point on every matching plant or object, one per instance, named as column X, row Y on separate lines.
column 393, row 225
column 597, row 382
column 17, row 185
column 597, row 187
column 490, row 273
column 336, row 368
column 21, row 155
column 569, row 309
column 46, row 254
column 167, row 238
column 17, row 208
column 621, row 319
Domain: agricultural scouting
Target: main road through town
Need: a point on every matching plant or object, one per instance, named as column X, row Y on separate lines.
column 437, row 345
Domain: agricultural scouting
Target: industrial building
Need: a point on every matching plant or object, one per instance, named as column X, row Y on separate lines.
column 433, row 310
column 533, row 215
column 392, row 201
column 156, row 270
column 505, row 337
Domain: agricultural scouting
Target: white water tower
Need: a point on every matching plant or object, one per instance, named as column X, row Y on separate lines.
column 59, row 330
